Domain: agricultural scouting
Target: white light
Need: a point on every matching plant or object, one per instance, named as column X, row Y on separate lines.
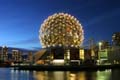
column 72, row 45
column 100, row 43
column 48, row 45
column 58, row 61
column 60, row 45
column 53, row 45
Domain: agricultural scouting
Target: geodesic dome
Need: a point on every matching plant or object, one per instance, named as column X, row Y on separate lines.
column 61, row 29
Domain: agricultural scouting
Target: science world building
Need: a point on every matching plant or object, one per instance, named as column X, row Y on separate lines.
column 61, row 36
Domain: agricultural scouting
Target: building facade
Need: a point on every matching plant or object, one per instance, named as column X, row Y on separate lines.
column 4, row 54
column 16, row 56
column 116, row 39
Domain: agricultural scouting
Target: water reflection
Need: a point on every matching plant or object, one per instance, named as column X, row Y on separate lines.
column 104, row 75
column 68, row 75
column 11, row 74
column 115, row 75
column 21, row 75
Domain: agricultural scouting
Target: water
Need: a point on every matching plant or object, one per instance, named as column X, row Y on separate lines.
column 10, row 74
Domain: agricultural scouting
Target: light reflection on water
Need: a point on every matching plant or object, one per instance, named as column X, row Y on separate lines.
column 68, row 75
column 11, row 74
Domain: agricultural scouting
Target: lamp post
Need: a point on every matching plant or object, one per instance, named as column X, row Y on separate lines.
column 100, row 44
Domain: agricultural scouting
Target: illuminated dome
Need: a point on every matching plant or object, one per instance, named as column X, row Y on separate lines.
column 61, row 30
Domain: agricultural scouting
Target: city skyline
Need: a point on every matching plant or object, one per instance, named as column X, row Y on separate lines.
column 20, row 20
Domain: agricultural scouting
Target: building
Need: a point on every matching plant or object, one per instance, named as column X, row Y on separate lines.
column 61, row 35
column 109, row 55
column 116, row 39
column 16, row 56
column 114, row 55
column 103, row 56
column 66, row 56
column 60, row 56
column 4, row 54
column 105, row 44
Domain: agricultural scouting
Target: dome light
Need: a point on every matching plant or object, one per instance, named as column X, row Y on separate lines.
column 61, row 29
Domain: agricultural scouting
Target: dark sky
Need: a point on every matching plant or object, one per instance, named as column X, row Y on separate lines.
column 20, row 20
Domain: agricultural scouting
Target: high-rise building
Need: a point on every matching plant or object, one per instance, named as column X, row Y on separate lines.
column 105, row 44
column 16, row 56
column 4, row 54
column 116, row 39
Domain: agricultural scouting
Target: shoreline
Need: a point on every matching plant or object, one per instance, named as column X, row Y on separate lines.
column 67, row 68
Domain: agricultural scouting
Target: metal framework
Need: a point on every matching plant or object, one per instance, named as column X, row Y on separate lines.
column 61, row 29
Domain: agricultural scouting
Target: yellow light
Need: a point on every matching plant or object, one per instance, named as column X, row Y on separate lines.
column 60, row 23
column 81, row 54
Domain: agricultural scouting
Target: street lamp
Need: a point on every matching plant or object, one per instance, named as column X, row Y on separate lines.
column 100, row 44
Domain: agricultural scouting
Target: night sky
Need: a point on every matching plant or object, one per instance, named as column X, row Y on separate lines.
column 20, row 20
